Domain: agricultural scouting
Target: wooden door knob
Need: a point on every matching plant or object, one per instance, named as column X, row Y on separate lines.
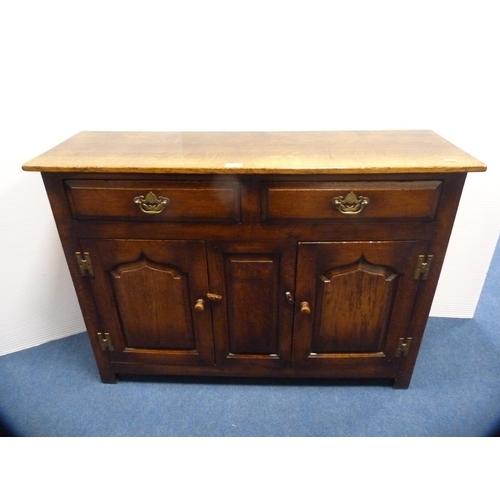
column 200, row 305
column 305, row 308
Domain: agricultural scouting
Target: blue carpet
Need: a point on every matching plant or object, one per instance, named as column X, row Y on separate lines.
column 54, row 390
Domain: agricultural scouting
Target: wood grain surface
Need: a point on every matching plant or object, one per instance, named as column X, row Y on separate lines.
column 365, row 152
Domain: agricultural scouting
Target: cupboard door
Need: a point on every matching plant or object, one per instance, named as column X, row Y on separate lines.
column 148, row 298
column 354, row 303
column 253, row 322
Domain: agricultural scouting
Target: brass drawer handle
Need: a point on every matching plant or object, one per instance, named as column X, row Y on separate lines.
column 151, row 204
column 351, row 204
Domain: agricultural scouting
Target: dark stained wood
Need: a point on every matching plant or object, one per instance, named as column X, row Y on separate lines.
column 154, row 305
column 187, row 201
column 252, row 288
column 70, row 245
column 146, row 292
column 353, row 304
column 361, row 295
column 450, row 200
column 253, row 324
column 417, row 200
column 253, row 271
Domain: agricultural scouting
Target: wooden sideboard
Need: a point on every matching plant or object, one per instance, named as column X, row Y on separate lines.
column 260, row 254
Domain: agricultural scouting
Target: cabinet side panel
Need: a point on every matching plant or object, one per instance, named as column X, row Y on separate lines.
column 252, row 286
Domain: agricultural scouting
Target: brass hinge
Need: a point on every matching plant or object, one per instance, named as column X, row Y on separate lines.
column 85, row 263
column 105, row 341
column 423, row 267
column 403, row 347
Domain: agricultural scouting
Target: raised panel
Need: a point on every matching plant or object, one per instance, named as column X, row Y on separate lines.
column 386, row 200
column 153, row 301
column 361, row 296
column 353, row 305
column 145, row 293
column 252, row 284
column 200, row 201
column 253, row 322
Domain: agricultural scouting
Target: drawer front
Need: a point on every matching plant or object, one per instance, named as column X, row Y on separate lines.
column 154, row 201
column 346, row 201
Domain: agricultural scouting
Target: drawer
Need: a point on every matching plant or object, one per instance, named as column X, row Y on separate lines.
column 342, row 201
column 154, row 201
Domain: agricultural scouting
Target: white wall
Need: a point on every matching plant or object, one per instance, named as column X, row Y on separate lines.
column 242, row 65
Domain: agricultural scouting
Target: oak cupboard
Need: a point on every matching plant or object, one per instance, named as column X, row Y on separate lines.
column 262, row 254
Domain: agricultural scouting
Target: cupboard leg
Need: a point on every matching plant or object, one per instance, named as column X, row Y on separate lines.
column 401, row 382
column 108, row 377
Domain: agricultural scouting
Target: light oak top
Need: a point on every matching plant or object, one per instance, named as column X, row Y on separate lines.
column 368, row 152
